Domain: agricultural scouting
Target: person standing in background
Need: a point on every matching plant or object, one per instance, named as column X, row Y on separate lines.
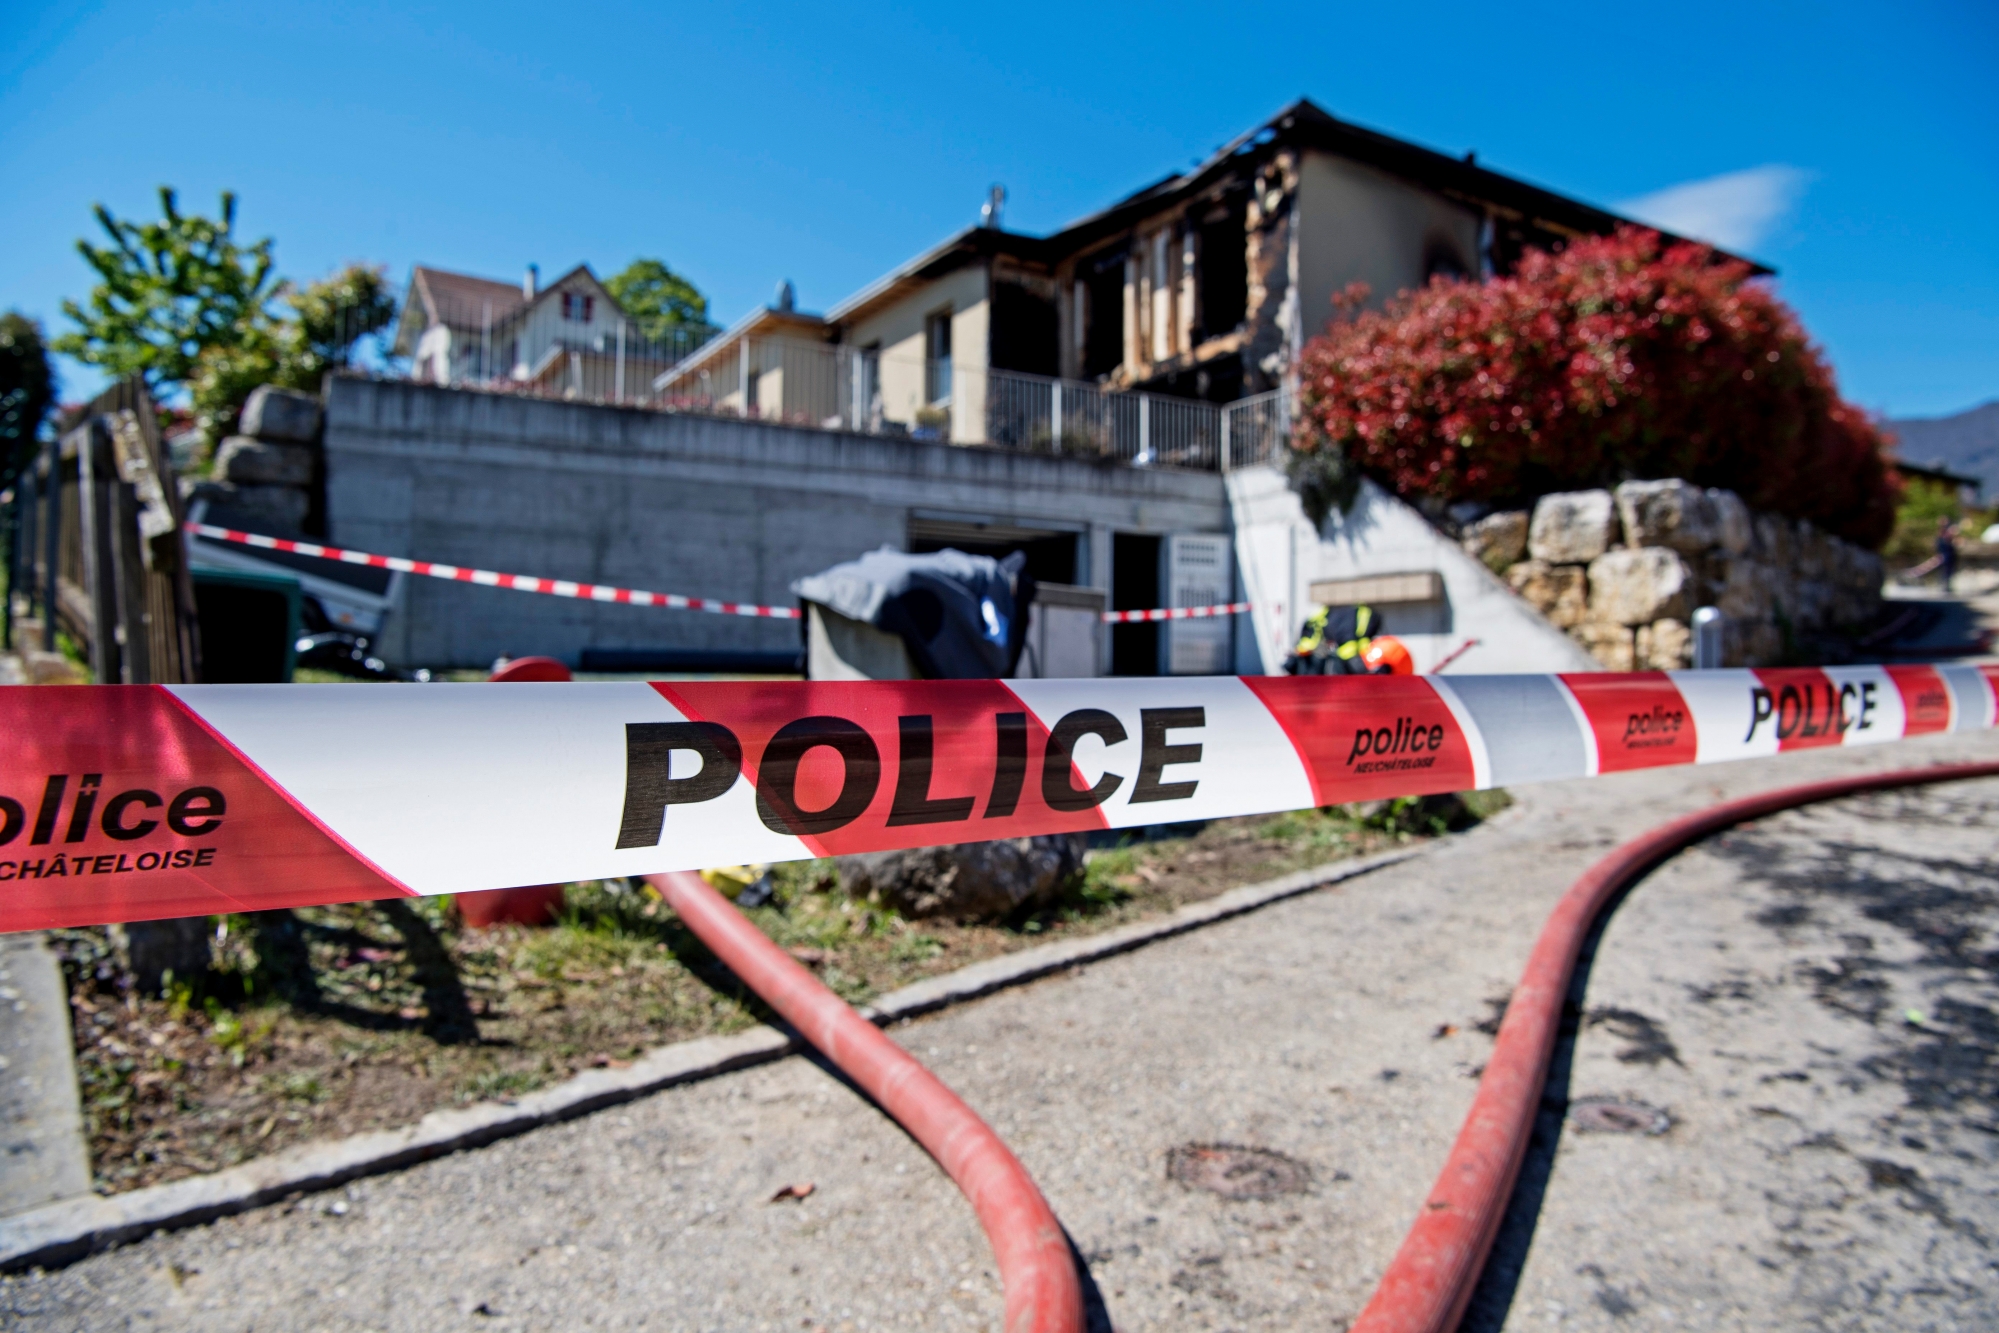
column 1947, row 551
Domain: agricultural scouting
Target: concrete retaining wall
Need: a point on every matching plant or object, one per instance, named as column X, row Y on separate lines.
column 673, row 503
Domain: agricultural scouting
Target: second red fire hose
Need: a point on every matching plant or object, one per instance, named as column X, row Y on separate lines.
column 1432, row 1277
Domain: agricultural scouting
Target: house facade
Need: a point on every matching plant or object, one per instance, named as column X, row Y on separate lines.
column 1160, row 332
column 775, row 364
column 1203, row 287
column 567, row 336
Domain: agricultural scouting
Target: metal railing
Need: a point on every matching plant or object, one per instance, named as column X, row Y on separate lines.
column 1257, row 430
column 1038, row 415
column 554, row 352
column 554, row 349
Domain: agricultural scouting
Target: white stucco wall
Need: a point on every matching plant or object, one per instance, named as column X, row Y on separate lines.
column 1281, row 556
column 433, row 356
column 899, row 326
column 1358, row 224
column 544, row 327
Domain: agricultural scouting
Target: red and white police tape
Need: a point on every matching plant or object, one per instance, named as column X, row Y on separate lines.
column 598, row 592
column 1175, row 613
column 122, row 803
column 589, row 592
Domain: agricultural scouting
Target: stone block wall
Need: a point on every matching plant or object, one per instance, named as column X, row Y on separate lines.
column 1623, row 571
column 267, row 477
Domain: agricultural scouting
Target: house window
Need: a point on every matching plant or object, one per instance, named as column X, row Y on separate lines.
column 869, row 389
column 937, row 357
column 578, row 306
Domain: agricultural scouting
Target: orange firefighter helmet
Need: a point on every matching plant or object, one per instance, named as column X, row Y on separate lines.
column 1385, row 650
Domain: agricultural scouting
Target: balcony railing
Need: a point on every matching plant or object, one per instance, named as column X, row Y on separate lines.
column 796, row 381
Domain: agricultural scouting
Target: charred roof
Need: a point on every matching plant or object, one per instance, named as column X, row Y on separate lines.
column 1304, row 124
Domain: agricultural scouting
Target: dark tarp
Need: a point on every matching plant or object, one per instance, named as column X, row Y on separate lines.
column 962, row 617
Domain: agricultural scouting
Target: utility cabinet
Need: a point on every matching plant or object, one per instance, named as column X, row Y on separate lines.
column 1065, row 633
column 1197, row 569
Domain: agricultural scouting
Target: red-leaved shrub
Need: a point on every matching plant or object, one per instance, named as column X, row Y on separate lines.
column 1609, row 361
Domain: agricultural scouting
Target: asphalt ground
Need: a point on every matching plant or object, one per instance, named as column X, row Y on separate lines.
column 1808, row 1000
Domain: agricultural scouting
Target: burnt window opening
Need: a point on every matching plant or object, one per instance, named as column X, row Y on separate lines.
column 1025, row 332
column 1512, row 240
column 1103, row 337
column 1224, row 267
column 1216, row 381
column 1442, row 260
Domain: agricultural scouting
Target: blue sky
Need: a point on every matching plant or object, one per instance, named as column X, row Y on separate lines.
column 1847, row 144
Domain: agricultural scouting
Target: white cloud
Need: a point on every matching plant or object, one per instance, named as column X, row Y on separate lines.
column 1734, row 211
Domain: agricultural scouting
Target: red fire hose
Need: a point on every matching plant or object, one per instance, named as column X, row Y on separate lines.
column 1430, row 1281
column 1043, row 1292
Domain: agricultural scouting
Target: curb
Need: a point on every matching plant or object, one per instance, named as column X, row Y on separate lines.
column 41, row 1110
column 62, row 1233
column 1013, row 969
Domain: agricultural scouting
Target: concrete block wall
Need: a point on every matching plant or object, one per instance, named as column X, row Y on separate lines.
column 704, row 506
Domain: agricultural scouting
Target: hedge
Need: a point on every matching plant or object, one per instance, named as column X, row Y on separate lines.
column 1616, row 358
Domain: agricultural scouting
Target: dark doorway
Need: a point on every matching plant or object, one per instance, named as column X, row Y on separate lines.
column 1134, row 587
column 1049, row 559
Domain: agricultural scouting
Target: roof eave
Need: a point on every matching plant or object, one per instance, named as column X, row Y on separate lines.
column 711, row 350
column 968, row 245
column 1309, row 125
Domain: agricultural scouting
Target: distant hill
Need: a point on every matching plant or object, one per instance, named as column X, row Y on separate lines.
column 1967, row 444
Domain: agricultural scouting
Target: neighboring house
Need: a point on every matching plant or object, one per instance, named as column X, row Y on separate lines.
column 773, row 364
column 457, row 329
column 1205, row 285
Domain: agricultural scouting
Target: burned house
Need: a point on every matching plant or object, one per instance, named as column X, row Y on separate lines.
column 1124, row 383
column 1203, row 286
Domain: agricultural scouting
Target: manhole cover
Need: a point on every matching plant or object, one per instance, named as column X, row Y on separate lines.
column 1615, row 1115
column 1237, row 1173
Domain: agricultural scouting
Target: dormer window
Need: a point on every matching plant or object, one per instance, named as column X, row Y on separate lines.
column 578, row 306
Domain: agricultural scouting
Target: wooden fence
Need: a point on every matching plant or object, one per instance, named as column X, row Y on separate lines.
column 100, row 553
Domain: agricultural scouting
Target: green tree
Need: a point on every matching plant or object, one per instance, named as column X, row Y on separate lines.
column 168, row 291
column 332, row 315
column 661, row 302
column 225, row 376
column 27, row 390
column 1926, row 505
column 325, row 320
